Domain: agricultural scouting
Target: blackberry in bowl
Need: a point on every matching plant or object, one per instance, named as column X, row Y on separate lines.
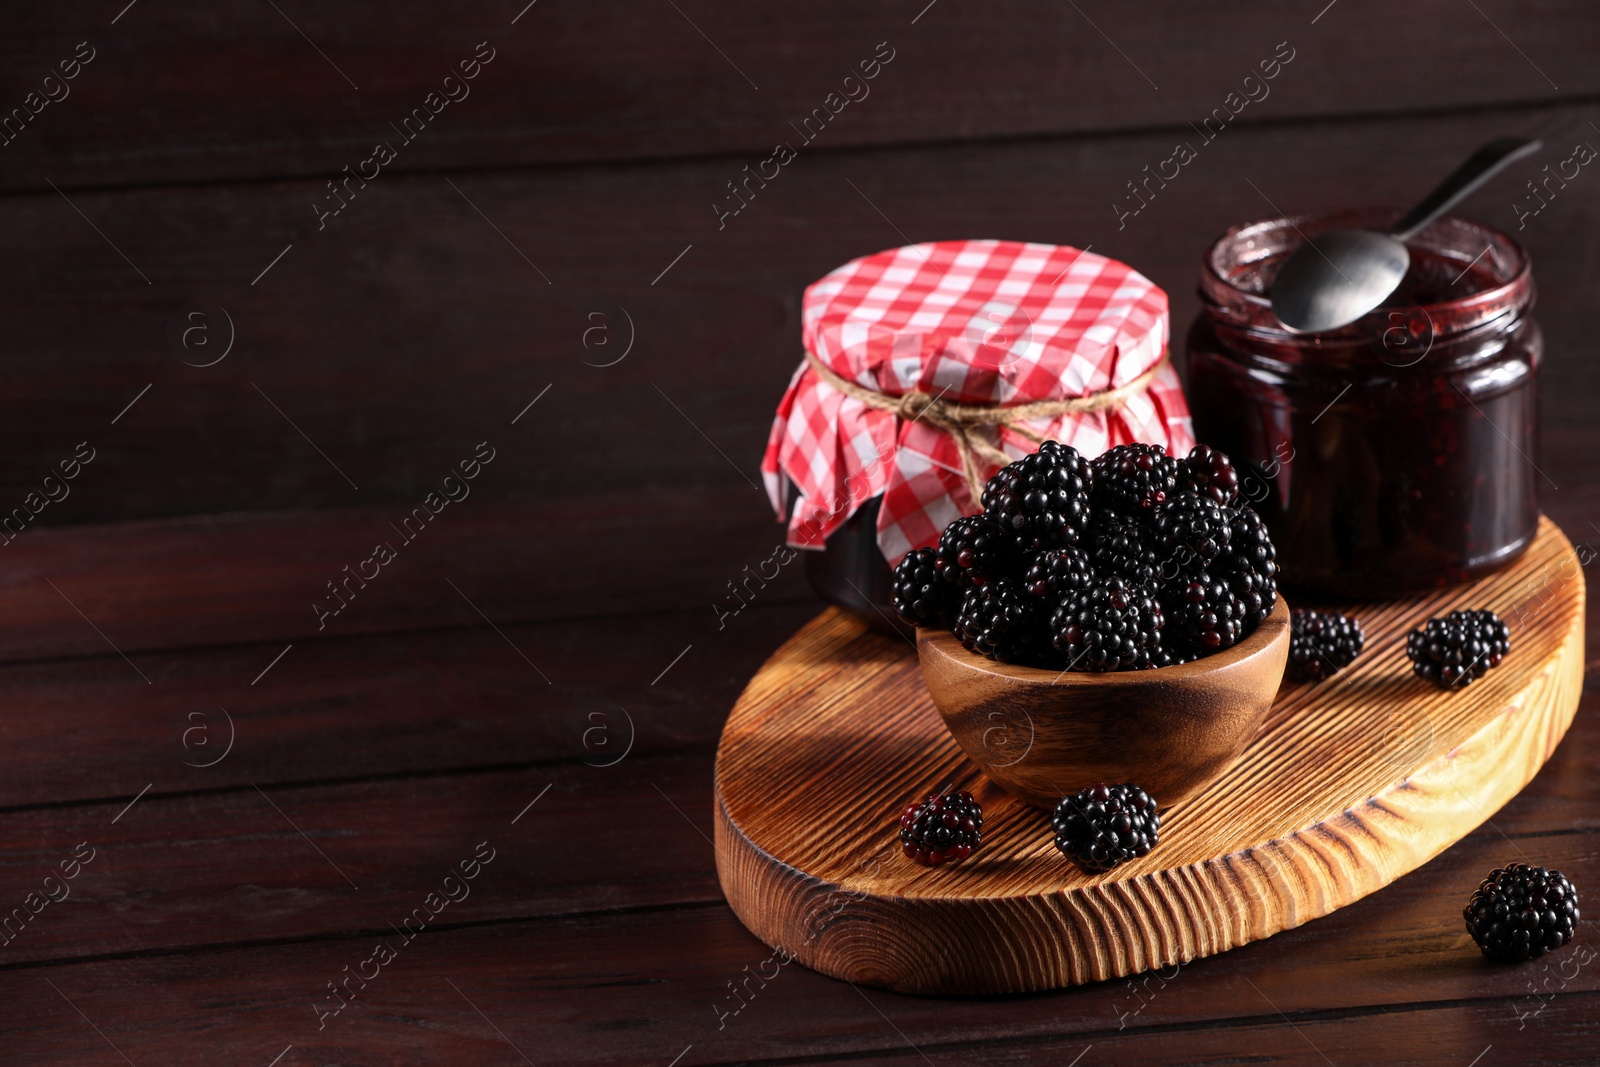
column 1127, row 607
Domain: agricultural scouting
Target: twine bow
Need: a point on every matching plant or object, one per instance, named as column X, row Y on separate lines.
column 964, row 421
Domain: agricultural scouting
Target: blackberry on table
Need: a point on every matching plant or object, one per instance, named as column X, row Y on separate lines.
column 1110, row 625
column 975, row 550
column 1190, row 533
column 1204, row 614
column 1100, row 827
column 1521, row 911
column 1211, row 474
column 1133, row 478
column 1055, row 573
column 1459, row 648
column 941, row 829
column 1003, row 621
column 1042, row 499
column 921, row 593
column 1123, row 547
column 1322, row 642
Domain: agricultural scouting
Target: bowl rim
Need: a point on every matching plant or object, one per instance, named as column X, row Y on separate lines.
column 1273, row 628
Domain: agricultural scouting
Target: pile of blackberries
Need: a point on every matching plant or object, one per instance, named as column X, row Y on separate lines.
column 1135, row 560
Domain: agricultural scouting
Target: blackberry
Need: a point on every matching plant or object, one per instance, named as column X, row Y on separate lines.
column 1109, row 625
column 1002, row 620
column 1250, row 544
column 1322, row 642
column 1052, row 575
column 941, row 829
column 1521, row 911
column 1133, row 478
column 1458, row 648
column 975, row 550
column 1101, row 827
column 1122, row 547
column 921, row 593
column 1250, row 566
column 1190, row 532
column 1172, row 655
column 1211, row 475
column 1258, row 595
column 1041, row 500
column 1204, row 615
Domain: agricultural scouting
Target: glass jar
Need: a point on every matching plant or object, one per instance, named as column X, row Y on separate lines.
column 1394, row 454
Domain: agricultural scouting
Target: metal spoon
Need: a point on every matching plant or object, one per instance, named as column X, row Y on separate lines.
column 1339, row 276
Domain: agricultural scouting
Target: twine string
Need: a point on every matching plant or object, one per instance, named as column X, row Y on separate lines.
column 963, row 422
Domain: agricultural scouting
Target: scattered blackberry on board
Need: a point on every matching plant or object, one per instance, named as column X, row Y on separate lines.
column 975, row 550
column 1057, row 572
column 921, row 594
column 1203, row 615
column 1322, row 642
column 1133, row 478
column 1210, row 474
column 1042, row 499
column 1099, row 828
column 1461, row 647
column 941, row 829
column 1521, row 911
column 1190, row 533
column 1110, row 625
column 1003, row 621
column 1122, row 547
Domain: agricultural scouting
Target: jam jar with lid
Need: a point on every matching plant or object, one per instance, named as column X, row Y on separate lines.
column 927, row 367
column 1395, row 454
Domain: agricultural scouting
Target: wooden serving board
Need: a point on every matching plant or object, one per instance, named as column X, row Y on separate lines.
column 1350, row 784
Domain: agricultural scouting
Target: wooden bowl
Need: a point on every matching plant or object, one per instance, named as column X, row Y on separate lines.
column 1044, row 734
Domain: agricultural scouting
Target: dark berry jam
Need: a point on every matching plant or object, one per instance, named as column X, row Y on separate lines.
column 1394, row 454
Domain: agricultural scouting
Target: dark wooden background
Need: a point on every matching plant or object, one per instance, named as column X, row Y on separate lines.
column 563, row 613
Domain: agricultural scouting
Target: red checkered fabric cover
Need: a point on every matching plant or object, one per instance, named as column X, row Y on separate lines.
column 978, row 322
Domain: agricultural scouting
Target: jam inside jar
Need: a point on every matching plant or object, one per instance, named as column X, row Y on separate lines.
column 1394, row 454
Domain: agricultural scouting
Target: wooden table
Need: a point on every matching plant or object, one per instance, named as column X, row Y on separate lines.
column 492, row 754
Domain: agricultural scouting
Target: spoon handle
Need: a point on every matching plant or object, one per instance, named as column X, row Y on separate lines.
column 1484, row 164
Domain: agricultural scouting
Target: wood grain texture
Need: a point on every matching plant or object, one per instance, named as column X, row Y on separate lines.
column 1041, row 734
column 232, row 579
column 437, row 702
column 619, row 987
column 1349, row 786
column 234, row 91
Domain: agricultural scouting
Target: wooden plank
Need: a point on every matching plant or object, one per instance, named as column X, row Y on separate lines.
column 632, row 836
column 136, row 587
column 241, row 90
column 289, row 863
column 409, row 331
column 618, row 988
column 393, row 704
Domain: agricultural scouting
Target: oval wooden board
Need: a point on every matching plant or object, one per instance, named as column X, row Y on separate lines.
column 1350, row 784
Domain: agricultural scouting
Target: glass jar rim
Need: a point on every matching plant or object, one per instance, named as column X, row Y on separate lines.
column 1450, row 237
